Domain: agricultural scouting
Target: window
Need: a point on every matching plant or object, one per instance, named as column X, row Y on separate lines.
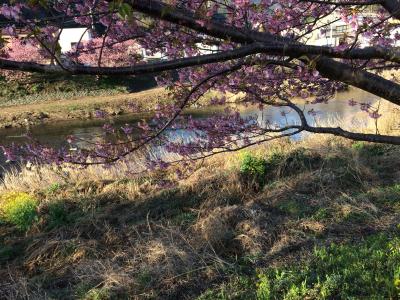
column 341, row 28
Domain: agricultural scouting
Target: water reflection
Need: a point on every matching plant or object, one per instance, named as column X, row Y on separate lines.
column 336, row 112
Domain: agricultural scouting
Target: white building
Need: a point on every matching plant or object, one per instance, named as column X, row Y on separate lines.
column 71, row 36
column 336, row 31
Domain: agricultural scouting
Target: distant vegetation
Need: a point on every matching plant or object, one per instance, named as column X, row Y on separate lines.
column 38, row 87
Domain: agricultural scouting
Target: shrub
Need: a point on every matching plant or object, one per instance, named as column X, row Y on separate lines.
column 53, row 188
column 370, row 149
column 278, row 164
column 19, row 209
column 253, row 166
column 358, row 145
column 57, row 215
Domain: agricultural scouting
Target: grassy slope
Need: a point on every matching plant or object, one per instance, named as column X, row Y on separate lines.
column 80, row 108
column 241, row 227
column 90, row 102
column 41, row 98
column 36, row 88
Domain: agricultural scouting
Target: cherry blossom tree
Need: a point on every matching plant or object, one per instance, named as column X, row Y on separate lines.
column 262, row 49
column 100, row 51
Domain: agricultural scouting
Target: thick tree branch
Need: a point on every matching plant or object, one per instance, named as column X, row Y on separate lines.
column 393, row 7
column 345, row 3
column 278, row 49
column 364, row 80
column 328, row 67
column 365, row 137
column 260, row 42
column 133, row 70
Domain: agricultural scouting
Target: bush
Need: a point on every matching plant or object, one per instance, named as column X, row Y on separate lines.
column 19, row 209
column 57, row 215
column 370, row 149
column 253, row 167
column 278, row 164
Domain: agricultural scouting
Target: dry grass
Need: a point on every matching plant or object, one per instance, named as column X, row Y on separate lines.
column 121, row 237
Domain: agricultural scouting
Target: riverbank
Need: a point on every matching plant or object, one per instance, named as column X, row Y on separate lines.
column 290, row 220
column 81, row 108
column 84, row 108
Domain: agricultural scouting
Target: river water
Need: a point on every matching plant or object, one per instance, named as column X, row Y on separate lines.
column 337, row 111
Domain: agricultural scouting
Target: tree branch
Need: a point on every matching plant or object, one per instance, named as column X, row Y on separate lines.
column 133, row 70
column 328, row 67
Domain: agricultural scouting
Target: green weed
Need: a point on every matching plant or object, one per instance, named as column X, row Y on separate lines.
column 58, row 215
column 295, row 207
column 84, row 291
column 367, row 270
column 53, row 188
column 238, row 287
column 322, row 214
column 384, row 197
column 8, row 253
column 144, row 279
column 370, row 149
column 253, row 166
column 19, row 209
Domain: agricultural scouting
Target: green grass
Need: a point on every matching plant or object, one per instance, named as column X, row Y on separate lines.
column 322, row 214
column 298, row 208
column 53, row 188
column 366, row 270
column 58, row 215
column 277, row 164
column 384, row 197
column 85, row 292
column 9, row 252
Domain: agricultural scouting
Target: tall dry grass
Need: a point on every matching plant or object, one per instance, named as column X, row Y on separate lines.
column 40, row 177
column 133, row 237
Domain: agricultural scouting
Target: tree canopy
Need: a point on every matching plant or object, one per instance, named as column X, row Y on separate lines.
column 263, row 49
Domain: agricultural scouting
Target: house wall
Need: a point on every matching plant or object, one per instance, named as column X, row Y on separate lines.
column 334, row 33
column 71, row 36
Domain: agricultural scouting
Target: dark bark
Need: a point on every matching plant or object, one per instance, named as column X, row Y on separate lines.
column 365, row 137
column 393, row 7
column 364, row 80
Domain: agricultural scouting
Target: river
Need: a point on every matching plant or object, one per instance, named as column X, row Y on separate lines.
column 337, row 111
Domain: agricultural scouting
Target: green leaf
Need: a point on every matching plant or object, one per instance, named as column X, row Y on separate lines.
column 125, row 11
